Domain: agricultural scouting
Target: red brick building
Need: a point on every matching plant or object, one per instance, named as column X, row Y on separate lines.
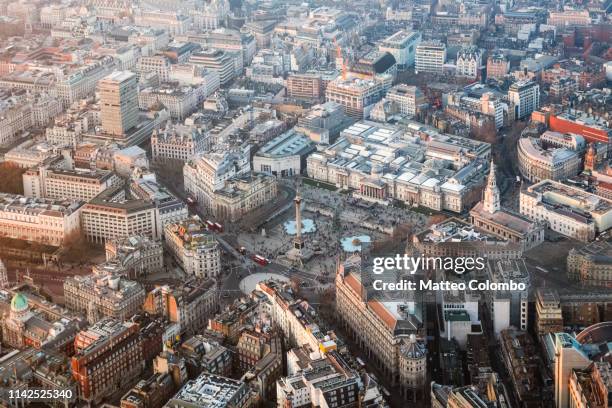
column 108, row 356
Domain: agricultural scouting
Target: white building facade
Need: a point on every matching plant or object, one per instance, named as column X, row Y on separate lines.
column 49, row 222
column 430, row 57
column 197, row 250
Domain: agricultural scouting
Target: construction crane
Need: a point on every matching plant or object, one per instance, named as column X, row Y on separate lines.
column 339, row 56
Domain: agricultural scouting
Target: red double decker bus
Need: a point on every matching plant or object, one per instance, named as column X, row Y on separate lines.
column 214, row 226
column 261, row 260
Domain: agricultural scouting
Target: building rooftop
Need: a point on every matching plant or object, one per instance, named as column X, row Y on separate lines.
column 552, row 157
column 455, row 230
column 412, row 154
column 125, row 246
column 354, row 84
column 456, row 316
column 432, row 44
column 577, row 142
column 583, row 118
column 38, row 206
column 119, row 76
column 508, row 269
column 210, row 391
column 568, row 199
column 374, row 62
column 290, row 143
column 100, row 333
column 519, row 349
column 547, row 295
column 523, row 84
column 505, row 218
column 98, row 175
column 192, row 233
column 596, row 334
column 131, row 151
column 400, row 38
column 172, row 88
column 114, row 197
column 106, row 283
column 405, row 90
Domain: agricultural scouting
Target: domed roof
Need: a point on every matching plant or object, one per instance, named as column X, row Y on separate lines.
column 19, row 303
column 413, row 350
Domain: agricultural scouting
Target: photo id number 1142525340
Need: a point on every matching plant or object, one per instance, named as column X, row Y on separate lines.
column 33, row 394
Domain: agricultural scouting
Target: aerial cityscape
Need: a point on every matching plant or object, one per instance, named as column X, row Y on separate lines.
column 306, row 204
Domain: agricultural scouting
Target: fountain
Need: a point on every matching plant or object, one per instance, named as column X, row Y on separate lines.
column 353, row 243
column 308, row 226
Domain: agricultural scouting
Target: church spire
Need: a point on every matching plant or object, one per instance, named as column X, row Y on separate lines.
column 491, row 194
